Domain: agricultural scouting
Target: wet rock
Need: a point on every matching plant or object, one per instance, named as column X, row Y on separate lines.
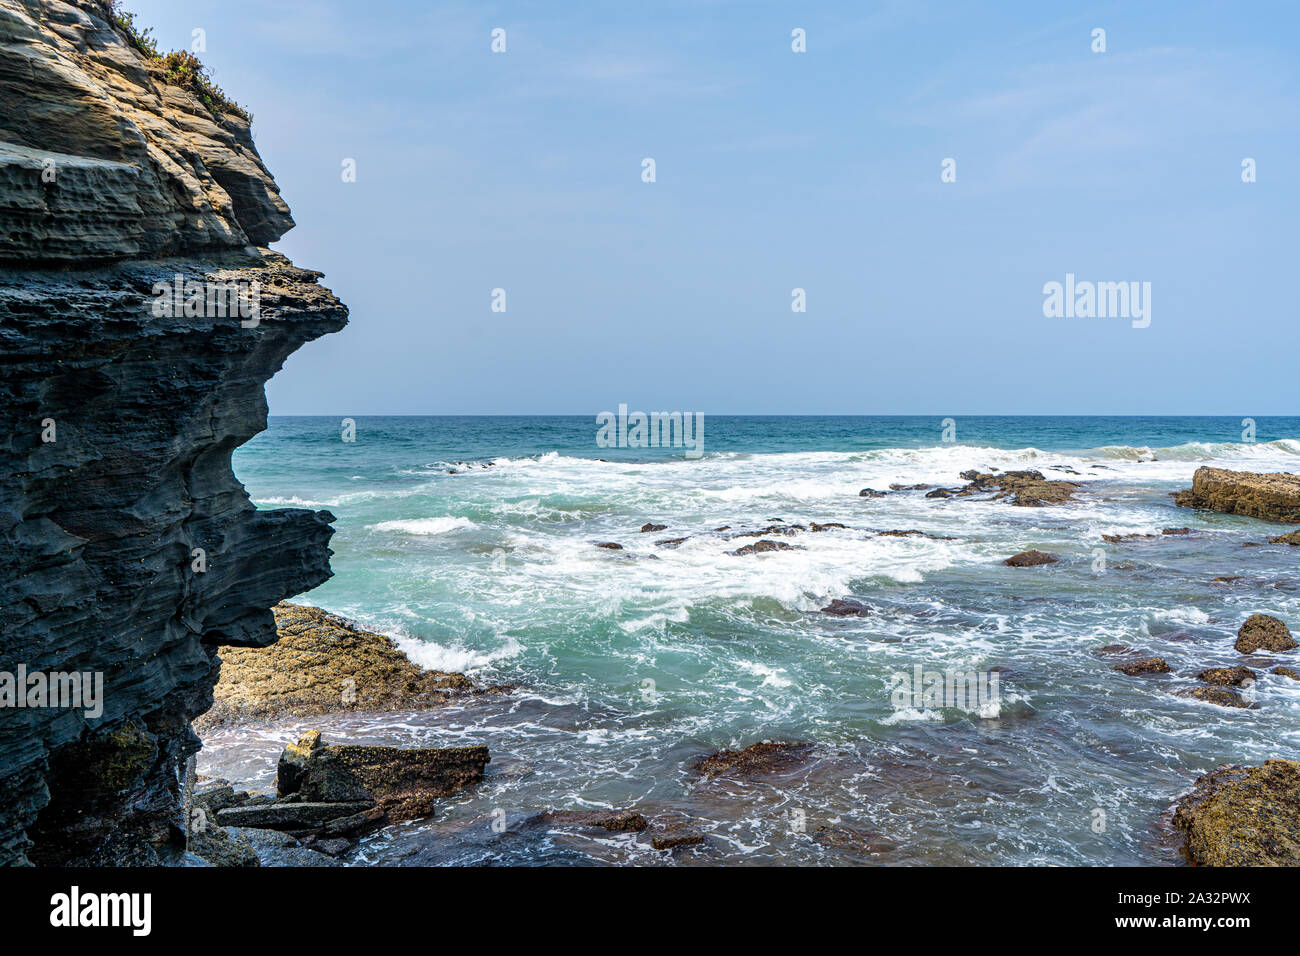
column 292, row 767
column 847, row 607
column 674, row 836
column 911, row 533
column 909, row 488
column 1292, row 537
column 1172, row 531
column 324, row 664
column 870, row 493
column 1272, row 497
column 669, row 542
column 290, row 816
column 814, row 526
column 1221, row 696
column 761, row 758
column 725, row 527
column 1243, row 816
column 1227, row 578
column 1120, row 538
column 1027, row 559
column 276, row 848
column 942, row 492
column 617, row 821
column 852, row 840
column 1024, row 488
column 335, row 846
column 609, row 546
column 1146, row 665
column 763, row 547
column 1283, row 671
column 221, row 847
column 404, row 782
column 1264, row 632
column 1227, row 676
column 648, row 527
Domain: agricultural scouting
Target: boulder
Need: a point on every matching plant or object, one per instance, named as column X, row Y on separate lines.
column 1227, row 676
column 1282, row 671
column 846, row 607
column 649, row 526
column 1221, row 696
column 1264, row 632
column 1243, row 816
column 763, row 547
column 1028, row 559
column 404, row 783
column 1272, row 497
column 283, row 815
column 1291, row 537
column 870, row 493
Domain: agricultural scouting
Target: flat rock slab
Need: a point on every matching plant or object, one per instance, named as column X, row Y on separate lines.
column 761, row 758
column 289, row 816
column 1273, row 497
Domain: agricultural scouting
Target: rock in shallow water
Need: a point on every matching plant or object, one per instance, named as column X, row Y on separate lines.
column 1264, row 632
column 1272, row 497
column 1243, row 816
column 1029, row 559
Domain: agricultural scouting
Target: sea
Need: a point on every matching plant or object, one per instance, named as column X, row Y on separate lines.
column 472, row 542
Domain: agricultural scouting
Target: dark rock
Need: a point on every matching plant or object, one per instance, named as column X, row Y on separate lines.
column 1227, row 676
column 814, row 526
column 335, row 846
column 1147, row 665
column 1243, row 816
column 618, row 821
column 669, row 542
column 289, row 816
column 1226, row 578
column 609, row 546
column 908, row 488
column 1264, row 632
column 647, row 527
column 852, row 840
column 405, row 783
column 1283, row 671
column 1120, row 538
column 1218, row 695
column 1176, row 531
column 942, row 492
column 847, row 607
column 221, row 847
column 1291, row 537
column 762, row 758
column 1112, row 650
column 1024, row 488
column 98, row 528
column 1272, row 497
column 673, row 836
column 1027, row 559
column 870, row 493
column 762, row 547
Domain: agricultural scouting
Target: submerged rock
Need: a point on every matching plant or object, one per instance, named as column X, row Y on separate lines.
column 617, row 821
column 1147, row 665
column 1243, row 816
column 1272, row 497
column 1175, row 531
column 324, row 664
column 1283, row 671
column 1292, row 537
column 1264, row 632
column 1028, row 559
column 674, row 836
column 847, row 607
column 870, row 493
column 762, row 758
column 852, row 840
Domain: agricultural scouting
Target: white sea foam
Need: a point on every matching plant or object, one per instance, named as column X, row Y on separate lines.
column 441, row 525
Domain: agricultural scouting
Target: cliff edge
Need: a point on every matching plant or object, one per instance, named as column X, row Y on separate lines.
column 140, row 318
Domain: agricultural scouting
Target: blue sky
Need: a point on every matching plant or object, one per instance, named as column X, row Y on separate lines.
column 776, row 170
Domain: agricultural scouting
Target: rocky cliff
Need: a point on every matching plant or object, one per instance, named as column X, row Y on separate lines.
column 128, row 548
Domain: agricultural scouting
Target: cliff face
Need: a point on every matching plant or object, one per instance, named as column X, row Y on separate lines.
column 128, row 548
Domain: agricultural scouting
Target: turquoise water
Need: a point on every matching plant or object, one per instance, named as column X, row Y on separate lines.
column 471, row 541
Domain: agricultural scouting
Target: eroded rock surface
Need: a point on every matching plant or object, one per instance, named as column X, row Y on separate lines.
column 1272, row 497
column 1243, row 816
column 128, row 547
